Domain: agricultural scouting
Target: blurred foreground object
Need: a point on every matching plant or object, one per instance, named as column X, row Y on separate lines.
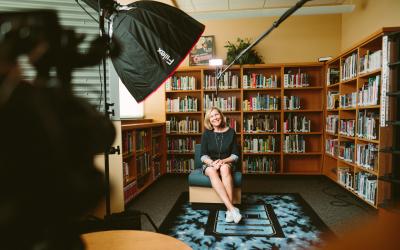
column 382, row 232
column 49, row 137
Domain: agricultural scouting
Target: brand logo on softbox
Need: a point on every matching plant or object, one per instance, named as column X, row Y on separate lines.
column 165, row 56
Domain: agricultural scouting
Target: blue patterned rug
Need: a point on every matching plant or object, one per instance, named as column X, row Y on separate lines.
column 270, row 221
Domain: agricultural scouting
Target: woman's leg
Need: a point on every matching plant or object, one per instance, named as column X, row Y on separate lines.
column 227, row 180
column 219, row 187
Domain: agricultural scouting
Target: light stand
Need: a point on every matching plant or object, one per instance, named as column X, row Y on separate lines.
column 285, row 15
column 107, row 151
column 127, row 219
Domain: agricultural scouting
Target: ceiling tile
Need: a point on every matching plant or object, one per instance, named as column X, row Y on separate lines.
column 247, row 4
column 210, row 5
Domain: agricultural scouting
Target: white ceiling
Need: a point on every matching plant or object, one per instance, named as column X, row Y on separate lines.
column 223, row 9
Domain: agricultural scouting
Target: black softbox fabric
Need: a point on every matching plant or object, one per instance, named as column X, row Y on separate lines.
column 155, row 38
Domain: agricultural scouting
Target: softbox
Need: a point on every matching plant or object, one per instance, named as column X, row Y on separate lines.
column 155, row 38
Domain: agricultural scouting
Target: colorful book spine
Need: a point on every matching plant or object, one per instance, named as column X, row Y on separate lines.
column 347, row 127
column 261, row 165
column 332, row 122
column 261, row 123
column 267, row 144
column 294, row 144
column 225, row 104
column 187, row 125
column 180, row 165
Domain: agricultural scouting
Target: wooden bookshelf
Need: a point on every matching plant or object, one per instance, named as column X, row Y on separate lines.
column 143, row 154
column 244, row 84
column 354, row 71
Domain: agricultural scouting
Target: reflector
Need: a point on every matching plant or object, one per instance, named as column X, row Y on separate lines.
column 155, row 38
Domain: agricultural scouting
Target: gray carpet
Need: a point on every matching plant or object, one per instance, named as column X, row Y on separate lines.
column 318, row 192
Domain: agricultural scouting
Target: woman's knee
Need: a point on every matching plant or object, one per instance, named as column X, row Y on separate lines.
column 211, row 172
column 225, row 170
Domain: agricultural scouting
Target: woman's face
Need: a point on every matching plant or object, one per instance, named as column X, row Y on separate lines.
column 215, row 118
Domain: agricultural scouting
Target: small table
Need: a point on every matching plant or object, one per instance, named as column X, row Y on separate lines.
column 131, row 239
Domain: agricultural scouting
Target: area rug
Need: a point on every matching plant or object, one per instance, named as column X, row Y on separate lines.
column 270, row 221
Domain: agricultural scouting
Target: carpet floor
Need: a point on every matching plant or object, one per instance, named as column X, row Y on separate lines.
column 336, row 207
column 270, row 221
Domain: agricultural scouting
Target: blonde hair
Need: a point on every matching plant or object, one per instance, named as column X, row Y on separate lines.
column 207, row 123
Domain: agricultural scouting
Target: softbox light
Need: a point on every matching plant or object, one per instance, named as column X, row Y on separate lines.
column 154, row 39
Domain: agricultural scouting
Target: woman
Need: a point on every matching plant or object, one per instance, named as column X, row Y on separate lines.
column 219, row 152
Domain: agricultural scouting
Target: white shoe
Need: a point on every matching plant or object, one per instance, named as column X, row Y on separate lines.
column 235, row 213
column 228, row 217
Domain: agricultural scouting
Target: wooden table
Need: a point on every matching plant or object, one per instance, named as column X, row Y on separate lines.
column 131, row 239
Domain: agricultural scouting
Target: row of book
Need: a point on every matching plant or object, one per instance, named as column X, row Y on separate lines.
column 179, row 104
column 348, row 100
column 261, row 123
column 261, row 102
column 367, row 156
column 187, row 125
column 332, row 76
column 332, row 147
column 141, row 136
column 180, row 165
column 232, row 123
column 228, row 80
column 129, row 191
column 267, row 144
column 180, row 83
column 225, row 104
column 254, row 80
column 369, row 92
column 181, row 145
column 347, row 127
column 142, row 165
column 370, row 61
column 332, row 100
column 365, row 184
column 345, row 177
column 296, row 80
column 127, row 142
column 346, row 151
column 126, row 171
column 368, row 125
column 291, row 102
column 349, row 67
column 296, row 123
column 332, row 122
column 294, row 144
column 262, row 164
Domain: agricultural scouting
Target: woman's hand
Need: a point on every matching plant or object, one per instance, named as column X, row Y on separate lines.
column 217, row 164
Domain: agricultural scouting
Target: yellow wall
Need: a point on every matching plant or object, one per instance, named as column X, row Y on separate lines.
column 298, row 39
column 368, row 17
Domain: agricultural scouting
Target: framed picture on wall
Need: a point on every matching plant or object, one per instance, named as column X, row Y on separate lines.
column 202, row 52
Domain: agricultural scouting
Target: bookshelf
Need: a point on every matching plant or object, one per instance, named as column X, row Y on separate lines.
column 353, row 133
column 252, row 97
column 143, row 156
